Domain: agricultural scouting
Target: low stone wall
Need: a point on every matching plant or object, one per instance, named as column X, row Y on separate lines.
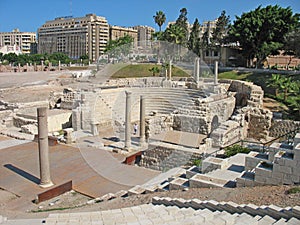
column 163, row 159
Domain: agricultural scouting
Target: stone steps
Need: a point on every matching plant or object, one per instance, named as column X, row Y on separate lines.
column 272, row 211
column 177, row 212
column 23, row 222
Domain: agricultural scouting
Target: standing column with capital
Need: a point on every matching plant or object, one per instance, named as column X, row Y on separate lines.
column 128, row 121
column 45, row 180
column 142, row 121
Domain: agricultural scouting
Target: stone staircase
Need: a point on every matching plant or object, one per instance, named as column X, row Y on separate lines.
column 176, row 211
column 277, row 167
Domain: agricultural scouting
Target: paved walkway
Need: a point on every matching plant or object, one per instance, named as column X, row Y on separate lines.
column 19, row 172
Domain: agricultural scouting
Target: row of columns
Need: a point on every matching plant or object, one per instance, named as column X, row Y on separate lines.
column 197, row 71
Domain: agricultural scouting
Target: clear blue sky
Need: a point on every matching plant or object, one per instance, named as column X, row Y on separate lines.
column 31, row 14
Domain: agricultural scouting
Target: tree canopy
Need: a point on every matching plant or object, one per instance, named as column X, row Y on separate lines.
column 261, row 32
column 160, row 19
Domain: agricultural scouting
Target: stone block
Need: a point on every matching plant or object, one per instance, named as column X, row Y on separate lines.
column 240, row 182
column 277, row 175
column 287, row 179
column 266, row 220
column 178, row 184
column 196, row 204
column 136, row 190
column 273, row 181
column 179, row 202
column 260, row 179
column 293, row 221
column 263, row 172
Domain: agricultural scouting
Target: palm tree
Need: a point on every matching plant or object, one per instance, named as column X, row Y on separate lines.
column 154, row 70
column 160, row 19
column 175, row 34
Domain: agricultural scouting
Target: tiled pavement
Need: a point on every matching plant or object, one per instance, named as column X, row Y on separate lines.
column 19, row 172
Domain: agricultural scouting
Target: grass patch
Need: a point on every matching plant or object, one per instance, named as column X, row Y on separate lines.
column 142, row 70
column 293, row 190
column 233, row 75
column 235, row 149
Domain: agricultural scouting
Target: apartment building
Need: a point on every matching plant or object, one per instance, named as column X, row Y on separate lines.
column 20, row 40
column 74, row 36
column 144, row 35
column 116, row 32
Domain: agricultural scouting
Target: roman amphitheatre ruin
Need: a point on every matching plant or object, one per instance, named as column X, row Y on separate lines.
column 95, row 158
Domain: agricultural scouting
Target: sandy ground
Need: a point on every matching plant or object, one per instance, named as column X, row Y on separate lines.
column 68, row 202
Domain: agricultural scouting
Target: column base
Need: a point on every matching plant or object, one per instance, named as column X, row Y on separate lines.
column 46, row 185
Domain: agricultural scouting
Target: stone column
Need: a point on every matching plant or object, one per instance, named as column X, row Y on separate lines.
column 58, row 65
column 216, row 73
column 142, row 121
column 128, row 121
column 170, row 70
column 45, row 180
column 197, row 70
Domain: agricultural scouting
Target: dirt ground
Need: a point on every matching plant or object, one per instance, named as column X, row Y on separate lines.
column 75, row 202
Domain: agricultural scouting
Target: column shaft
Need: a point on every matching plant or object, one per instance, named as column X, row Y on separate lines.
column 216, row 73
column 128, row 121
column 45, row 180
column 142, row 120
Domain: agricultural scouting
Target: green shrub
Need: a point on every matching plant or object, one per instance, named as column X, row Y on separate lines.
column 293, row 190
column 234, row 149
column 197, row 162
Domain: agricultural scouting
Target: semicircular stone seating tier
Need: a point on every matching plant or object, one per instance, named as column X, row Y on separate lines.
column 110, row 105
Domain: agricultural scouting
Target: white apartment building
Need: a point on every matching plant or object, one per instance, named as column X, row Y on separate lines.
column 20, row 40
column 74, row 36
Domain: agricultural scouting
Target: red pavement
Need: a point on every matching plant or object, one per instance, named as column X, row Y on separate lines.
column 19, row 172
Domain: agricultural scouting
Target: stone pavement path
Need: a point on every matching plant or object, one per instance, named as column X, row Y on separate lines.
column 19, row 172
column 11, row 143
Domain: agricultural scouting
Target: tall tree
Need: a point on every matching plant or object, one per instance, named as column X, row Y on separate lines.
column 221, row 29
column 292, row 44
column 182, row 22
column 261, row 32
column 194, row 39
column 160, row 19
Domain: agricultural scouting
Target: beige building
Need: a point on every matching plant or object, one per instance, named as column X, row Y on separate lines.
column 21, row 40
column 74, row 36
column 144, row 35
column 116, row 32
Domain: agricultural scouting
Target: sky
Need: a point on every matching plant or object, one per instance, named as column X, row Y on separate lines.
column 29, row 15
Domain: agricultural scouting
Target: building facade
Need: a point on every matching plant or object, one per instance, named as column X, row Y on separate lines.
column 20, row 40
column 74, row 36
column 144, row 37
column 116, row 32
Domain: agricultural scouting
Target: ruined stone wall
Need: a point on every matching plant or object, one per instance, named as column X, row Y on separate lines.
column 163, row 159
column 159, row 124
column 227, row 133
column 247, row 93
column 259, row 123
column 199, row 118
column 282, row 127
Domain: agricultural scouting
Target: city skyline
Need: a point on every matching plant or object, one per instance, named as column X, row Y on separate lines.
column 29, row 17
